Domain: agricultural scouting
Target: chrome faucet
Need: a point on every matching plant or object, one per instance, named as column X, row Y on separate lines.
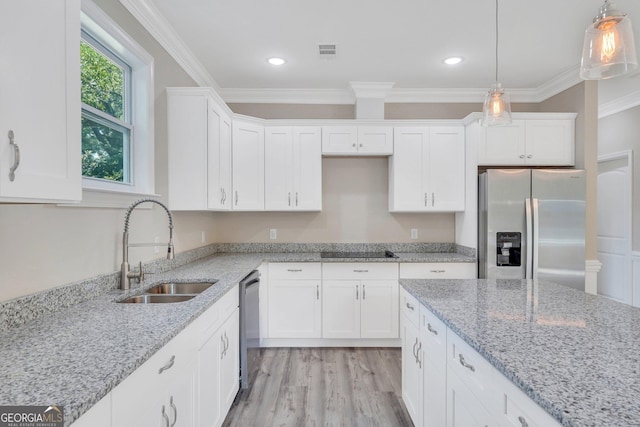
column 125, row 274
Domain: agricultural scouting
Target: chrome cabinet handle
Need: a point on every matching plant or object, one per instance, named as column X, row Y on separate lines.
column 360, row 271
column 418, row 356
column 523, row 422
column 289, row 199
column 317, row 292
column 166, row 417
column 430, row 329
column 224, row 196
column 168, row 365
column 175, row 411
column 236, row 197
column 437, row 271
column 357, row 292
column 364, row 289
column 521, row 156
column 433, row 199
column 529, row 156
column 465, row 364
column 354, row 145
column 296, row 198
column 226, row 343
column 223, row 349
column 410, row 307
column 426, row 198
column 294, row 270
column 16, row 160
column 415, row 356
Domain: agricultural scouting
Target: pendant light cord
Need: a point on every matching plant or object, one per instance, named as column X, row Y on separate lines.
column 496, row 41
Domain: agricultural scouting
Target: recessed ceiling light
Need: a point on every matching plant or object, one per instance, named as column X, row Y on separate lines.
column 276, row 61
column 453, row 60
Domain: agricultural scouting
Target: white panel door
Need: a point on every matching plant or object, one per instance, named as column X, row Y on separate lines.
column 614, row 227
column 375, row 140
column 230, row 362
column 406, row 192
column 307, row 168
column 248, row 166
column 463, row 408
column 341, row 309
column 339, row 139
column 40, row 100
column 502, row 145
column 278, row 169
column 295, row 309
column 207, row 382
column 446, row 169
column 379, row 309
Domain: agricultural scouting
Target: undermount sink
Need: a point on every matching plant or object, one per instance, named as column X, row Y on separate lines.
column 179, row 288
column 169, row 292
column 155, row 299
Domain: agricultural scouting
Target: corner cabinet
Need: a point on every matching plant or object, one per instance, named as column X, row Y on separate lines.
column 293, row 168
column 427, row 169
column 199, row 135
column 247, row 166
column 40, row 105
column 532, row 139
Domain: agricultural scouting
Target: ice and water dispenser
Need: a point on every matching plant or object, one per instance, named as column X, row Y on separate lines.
column 508, row 245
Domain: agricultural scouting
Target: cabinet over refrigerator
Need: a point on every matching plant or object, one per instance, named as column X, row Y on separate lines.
column 531, row 224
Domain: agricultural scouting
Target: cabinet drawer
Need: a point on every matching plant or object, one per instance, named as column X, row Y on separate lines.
column 295, row 270
column 433, row 331
column 209, row 322
column 410, row 308
column 438, row 270
column 359, row 271
column 472, row 369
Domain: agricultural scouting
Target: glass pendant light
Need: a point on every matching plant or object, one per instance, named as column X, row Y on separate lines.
column 609, row 49
column 497, row 107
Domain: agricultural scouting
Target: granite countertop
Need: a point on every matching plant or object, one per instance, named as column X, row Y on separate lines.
column 577, row 355
column 76, row 355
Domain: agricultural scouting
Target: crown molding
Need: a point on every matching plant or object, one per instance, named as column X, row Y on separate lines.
column 619, row 104
column 154, row 22
column 287, row 96
column 560, row 83
column 378, row 90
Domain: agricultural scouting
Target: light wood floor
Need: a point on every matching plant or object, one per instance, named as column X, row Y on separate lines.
column 307, row 387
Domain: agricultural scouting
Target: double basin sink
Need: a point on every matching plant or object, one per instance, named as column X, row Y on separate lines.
column 169, row 292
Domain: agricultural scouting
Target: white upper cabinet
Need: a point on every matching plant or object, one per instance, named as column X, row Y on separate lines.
column 427, row 169
column 248, row 166
column 40, row 104
column 219, row 159
column 529, row 141
column 357, row 140
column 293, row 168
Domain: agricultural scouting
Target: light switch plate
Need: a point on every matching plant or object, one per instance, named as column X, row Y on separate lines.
column 414, row 233
column 273, row 234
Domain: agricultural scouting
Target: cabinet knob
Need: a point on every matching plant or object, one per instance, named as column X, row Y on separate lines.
column 523, row 422
column 529, row 156
column 521, row 156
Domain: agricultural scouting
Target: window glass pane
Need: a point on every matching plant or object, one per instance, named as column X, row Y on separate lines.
column 103, row 81
column 105, row 150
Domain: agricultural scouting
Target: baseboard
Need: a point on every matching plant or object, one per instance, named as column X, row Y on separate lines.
column 320, row 342
column 591, row 269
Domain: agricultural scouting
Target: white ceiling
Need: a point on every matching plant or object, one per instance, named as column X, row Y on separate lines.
column 400, row 41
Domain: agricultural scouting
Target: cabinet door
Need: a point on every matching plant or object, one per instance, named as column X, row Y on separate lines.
column 502, row 145
column 278, row 169
column 40, row 103
column 179, row 401
column 341, row 309
column 229, row 363
column 307, row 168
column 248, row 166
column 446, row 169
column 549, row 142
column 434, row 355
column 463, row 409
column 208, row 382
column 295, row 310
column 406, row 178
column 375, row 140
column 98, row 416
column 339, row 140
column 219, row 159
column 412, row 388
column 379, row 309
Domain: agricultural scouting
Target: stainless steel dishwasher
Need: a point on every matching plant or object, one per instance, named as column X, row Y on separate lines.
column 249, row 328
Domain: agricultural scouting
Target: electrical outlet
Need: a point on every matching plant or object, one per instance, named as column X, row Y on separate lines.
column 414, row 233
column 273, row 234
column 156, row 249
column 203, row 237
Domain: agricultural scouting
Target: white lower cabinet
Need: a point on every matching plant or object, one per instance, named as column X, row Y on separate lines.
column 445, row 382
column 360, row 300
column 294, row 300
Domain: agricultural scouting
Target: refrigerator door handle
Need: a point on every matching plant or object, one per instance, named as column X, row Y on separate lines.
column 528, row 267
column 536, row 235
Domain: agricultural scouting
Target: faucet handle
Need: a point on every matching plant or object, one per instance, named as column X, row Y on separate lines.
column 141, row 274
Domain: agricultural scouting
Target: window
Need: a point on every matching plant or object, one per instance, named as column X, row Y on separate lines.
column 106, row 118
column 117, row 107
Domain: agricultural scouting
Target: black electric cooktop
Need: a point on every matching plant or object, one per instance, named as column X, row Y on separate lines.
column 385, row 254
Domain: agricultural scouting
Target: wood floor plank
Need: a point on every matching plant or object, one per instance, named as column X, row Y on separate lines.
column 324, row 387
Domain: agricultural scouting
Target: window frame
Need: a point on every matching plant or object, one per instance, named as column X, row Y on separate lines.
column 139, row 108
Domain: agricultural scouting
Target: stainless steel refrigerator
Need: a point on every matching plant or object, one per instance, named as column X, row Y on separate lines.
column 531, row 224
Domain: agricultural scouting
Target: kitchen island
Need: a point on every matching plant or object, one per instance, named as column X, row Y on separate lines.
column 576, row 355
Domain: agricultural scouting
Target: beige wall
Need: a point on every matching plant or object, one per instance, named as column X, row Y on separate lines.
column 295, row 111
column 399, row 111
column 44, row 246
column 617, row 133
column 583, row 99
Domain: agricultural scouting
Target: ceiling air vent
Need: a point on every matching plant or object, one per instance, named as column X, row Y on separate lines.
column 327, row 50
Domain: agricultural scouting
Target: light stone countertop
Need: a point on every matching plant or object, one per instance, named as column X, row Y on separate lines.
column 75, row 356
column 577, row 355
